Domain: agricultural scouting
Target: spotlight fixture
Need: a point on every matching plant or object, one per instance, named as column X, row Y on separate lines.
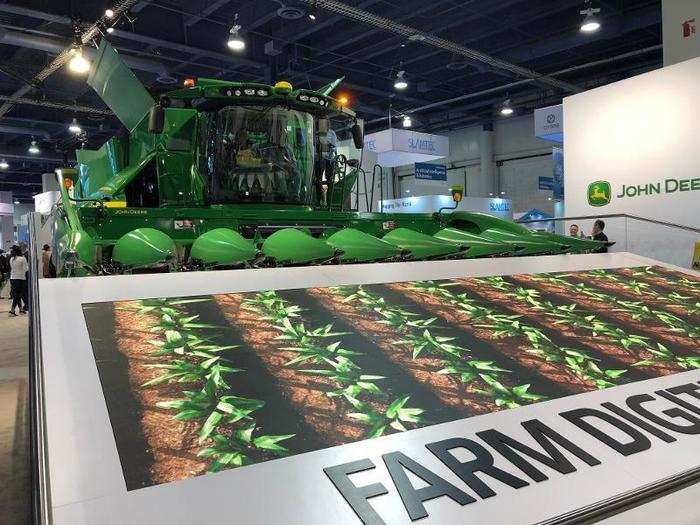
column 506, row 109
column 4, row 164
column 401, row 83
column 503, row 193
column 313, row 12
column 74, row 127
column 590, row 23
column 16, row 201
column 110, row 29
column 235, row 41
column 33, row 148
column 407, row 122
column 78, row 63
column 109, row 13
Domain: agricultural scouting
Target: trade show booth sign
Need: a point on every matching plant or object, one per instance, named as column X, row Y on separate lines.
column 401, row 147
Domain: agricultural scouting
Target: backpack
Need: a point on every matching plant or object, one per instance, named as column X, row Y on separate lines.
column 4, row 265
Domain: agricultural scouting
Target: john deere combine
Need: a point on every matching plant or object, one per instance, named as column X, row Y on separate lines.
column 229, row 174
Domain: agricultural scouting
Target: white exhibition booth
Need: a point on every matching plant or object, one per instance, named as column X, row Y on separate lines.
column 632, row 148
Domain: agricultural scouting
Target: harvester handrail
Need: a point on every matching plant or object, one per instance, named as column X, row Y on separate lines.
column 613, row 216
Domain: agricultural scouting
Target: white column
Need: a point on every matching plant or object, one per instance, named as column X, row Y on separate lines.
column 484, row 184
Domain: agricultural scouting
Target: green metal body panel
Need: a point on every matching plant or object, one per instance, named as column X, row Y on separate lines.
column 291, row 246
column 222, row 246
column 143, row 247
column 476, row 246
column 358, row 246
column 420, row 245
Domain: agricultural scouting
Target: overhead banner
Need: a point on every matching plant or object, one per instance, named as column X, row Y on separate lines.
column 549, row 123
column 430, row 173
column 402, row 147
column 558, row 173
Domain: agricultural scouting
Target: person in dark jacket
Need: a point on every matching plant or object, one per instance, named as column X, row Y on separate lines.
column 599, row 235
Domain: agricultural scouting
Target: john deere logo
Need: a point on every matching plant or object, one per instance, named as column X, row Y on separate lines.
column 599, row 193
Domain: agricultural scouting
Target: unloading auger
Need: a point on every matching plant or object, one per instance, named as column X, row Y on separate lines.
column 225, row 174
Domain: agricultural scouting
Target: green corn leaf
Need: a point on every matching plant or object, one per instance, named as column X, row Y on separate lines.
column 210, row 425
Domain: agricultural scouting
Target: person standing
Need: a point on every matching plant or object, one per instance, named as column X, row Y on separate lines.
column 4, row 271
column 599, row 235
column 18, row 280
column 46, row 261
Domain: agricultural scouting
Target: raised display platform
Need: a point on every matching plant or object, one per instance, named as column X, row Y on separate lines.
column 518, row 390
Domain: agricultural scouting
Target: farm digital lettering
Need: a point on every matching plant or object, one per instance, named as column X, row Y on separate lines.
column 642, row 425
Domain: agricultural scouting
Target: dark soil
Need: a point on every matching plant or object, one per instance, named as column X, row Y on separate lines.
column 551, row 379
column 423, row 370
column 646, row 327
column 611, row 355
column 327, row 417
column 398, row 381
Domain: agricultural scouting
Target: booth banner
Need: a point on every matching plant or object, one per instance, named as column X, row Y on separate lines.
column 549, row 123
column 558, row 176
column 402, row 147
column 200, row 385
column 430, row 173
column 433, row 203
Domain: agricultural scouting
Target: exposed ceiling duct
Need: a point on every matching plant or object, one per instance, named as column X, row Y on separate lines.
column 18, row 130
column 416, row 35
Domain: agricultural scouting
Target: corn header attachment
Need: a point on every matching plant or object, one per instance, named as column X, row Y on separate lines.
column 226, row 174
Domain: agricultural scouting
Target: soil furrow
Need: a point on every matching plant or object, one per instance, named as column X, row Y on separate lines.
column 509, row 353
column 648, row 327
column 424, row 370
column 397, row 381
column 610, row 355
column 173, row 444
column 622, row 292
column 327, row 416
column 663, row 285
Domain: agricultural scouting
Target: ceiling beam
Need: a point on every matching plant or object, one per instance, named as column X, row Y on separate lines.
column 441, row 43
column 214, row 6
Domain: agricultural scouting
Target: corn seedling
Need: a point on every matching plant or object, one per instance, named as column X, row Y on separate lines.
column 197, row 360
column 509, row 397
column 661, row 354
column 504, row 325
column 318, row 346
column 234, row 450
column 423, row 340
column 395, row 416
column 635, row 309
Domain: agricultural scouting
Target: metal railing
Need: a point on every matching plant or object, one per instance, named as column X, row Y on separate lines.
column 613, row 216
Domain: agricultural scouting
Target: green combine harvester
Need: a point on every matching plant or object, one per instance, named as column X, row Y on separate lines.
column 235, row 174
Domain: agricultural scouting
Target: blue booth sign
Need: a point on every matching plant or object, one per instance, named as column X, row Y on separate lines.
column 430, row 173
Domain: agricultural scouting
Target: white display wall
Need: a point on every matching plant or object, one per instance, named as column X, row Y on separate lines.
column 641, row 137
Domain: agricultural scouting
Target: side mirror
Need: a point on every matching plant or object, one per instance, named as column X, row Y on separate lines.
column 358, row 136
column 156, row 119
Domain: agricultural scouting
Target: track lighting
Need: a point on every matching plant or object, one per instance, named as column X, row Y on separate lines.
column 590, row 23
column 74, row 127
column 407, row 122
column 401, row 83
column 33, row 148
column 109, row 13
column 3, row 164
column 235, row 41
column 110, row 29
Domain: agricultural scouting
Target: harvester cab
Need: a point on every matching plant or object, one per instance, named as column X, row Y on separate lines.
column 236, row 174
